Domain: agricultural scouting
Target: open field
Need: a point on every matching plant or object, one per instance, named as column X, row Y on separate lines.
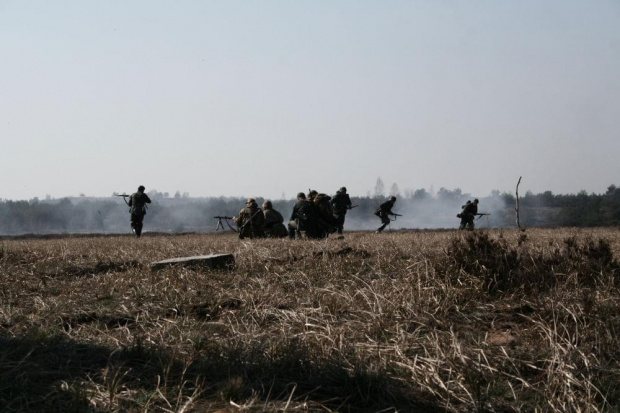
column 400, row 321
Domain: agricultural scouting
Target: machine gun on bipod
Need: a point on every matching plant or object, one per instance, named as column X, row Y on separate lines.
column 220, row 225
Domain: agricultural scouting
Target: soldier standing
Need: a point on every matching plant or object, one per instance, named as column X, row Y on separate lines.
column 274, row 227
column 341, row 202
column 137, row 208
column 250, row 221
column 383, row 212
column 470, row 209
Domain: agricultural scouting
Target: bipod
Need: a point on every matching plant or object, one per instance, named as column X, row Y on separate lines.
column 220, row 225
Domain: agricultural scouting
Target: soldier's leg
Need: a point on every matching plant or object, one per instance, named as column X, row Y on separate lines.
column 340, row 222
column 137, row 224
column 385, row 220
column 463, row 224
column 133, row 223
column 293, row 227
column 469, row 224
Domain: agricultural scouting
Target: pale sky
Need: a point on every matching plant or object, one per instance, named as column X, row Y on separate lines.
column 261, row 98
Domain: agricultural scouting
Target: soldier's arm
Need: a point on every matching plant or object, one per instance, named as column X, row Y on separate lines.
column 147, row 199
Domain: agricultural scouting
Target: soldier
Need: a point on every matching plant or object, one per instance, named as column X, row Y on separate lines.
column 327, row 222
column 312, row 194
column 469, row 211
column 274, row 227
column 341, row 203
column 137, row 208
column 250, row 221
column 383, row 212
column 303, row 218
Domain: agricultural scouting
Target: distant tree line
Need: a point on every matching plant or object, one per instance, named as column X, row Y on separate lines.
column 420, row 209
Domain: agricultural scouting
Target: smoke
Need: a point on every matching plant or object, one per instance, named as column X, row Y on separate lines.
column 419, row 209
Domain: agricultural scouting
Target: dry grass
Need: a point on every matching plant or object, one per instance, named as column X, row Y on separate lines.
column 402, row 321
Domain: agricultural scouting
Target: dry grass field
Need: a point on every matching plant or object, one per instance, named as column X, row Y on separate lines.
column 401, row 321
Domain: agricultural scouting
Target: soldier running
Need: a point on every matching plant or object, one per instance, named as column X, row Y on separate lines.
column 384, row 211
column 467, row 215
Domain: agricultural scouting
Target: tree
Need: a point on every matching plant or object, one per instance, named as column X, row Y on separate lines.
column 420, row 194
column 379, row 188
column 446, row 195
column 394, row 191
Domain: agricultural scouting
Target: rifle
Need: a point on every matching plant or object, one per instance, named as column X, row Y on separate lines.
column 352, row 206
column 249, row 221
column 395, row 216
column 125, row 196
column 481, row 215
column 219, row 222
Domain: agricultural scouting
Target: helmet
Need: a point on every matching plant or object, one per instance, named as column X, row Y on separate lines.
column 141, row 188
column 343, row 189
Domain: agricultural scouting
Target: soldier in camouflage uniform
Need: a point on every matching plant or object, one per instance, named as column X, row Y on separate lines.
column 304, row 218
column 250, row 221
column 341, row 203
column 274, row 227
column 137, row 208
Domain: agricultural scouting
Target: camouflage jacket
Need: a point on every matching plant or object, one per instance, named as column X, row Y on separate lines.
column 251, row 222
column 137, row 203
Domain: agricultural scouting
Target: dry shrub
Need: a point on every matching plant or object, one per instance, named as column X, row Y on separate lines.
column 505, row 268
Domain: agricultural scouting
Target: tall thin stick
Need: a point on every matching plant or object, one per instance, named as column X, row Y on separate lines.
column 517, row 206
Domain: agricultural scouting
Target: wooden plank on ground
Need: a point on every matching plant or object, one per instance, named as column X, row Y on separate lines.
column 212, row 261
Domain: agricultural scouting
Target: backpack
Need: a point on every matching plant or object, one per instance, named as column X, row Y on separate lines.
column 323, row 204
column 305, row 212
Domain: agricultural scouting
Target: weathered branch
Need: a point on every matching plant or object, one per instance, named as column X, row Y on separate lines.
column 517, row 206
